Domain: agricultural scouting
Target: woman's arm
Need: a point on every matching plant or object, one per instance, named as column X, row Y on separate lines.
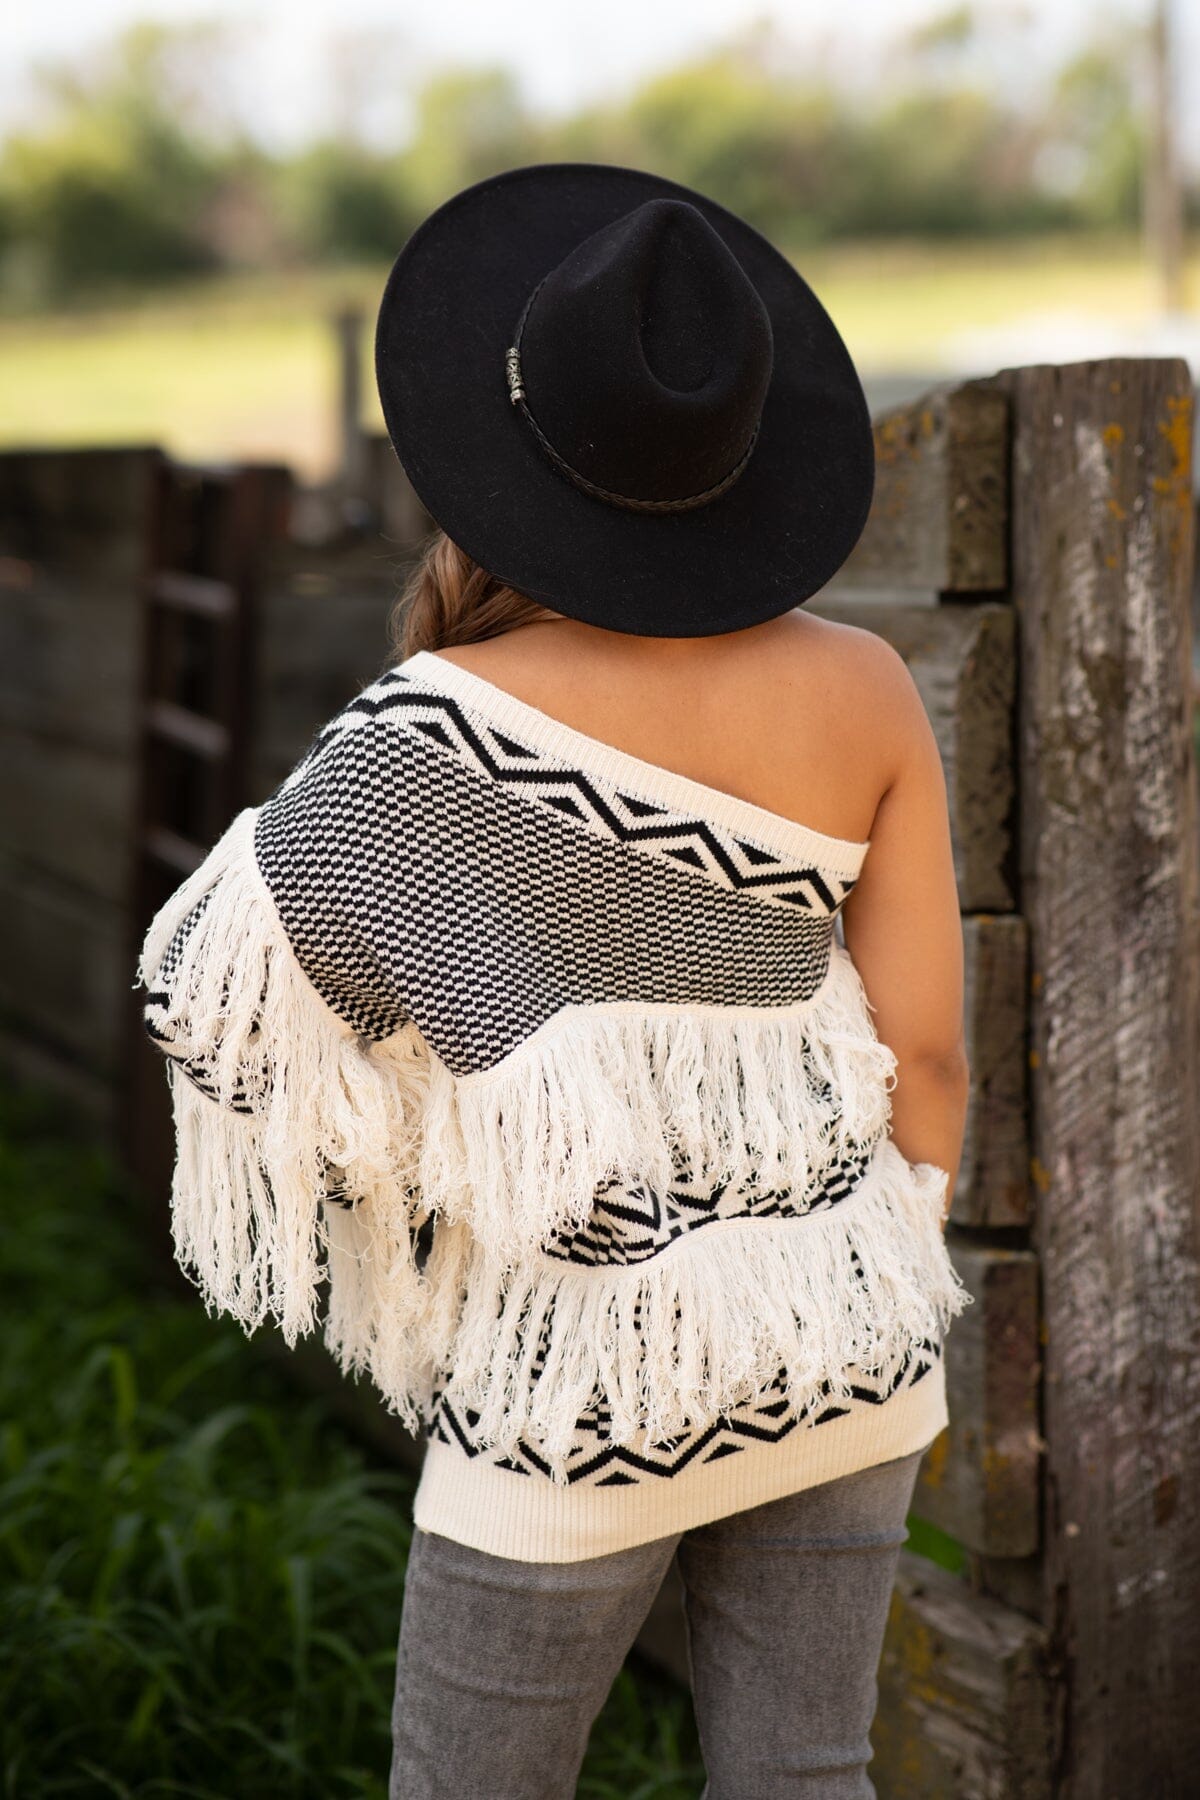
column 903, row 928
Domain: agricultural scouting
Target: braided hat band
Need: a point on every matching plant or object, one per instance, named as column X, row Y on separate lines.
column 516, row 393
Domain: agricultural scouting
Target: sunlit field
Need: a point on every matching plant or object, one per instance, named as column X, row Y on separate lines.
column 247, row 367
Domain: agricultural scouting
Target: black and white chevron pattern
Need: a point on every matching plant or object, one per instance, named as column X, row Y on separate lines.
column 629, row 1225
column 594, row 1461
column 429, row 866
column 409, row 702
column 525, row 898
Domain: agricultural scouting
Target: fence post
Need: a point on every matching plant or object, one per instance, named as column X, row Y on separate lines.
column 1102, row 552
column 352, row 451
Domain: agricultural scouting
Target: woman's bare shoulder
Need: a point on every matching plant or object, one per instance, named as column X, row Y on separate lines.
column 834, row 721
column 865, row 678
column 858, row 650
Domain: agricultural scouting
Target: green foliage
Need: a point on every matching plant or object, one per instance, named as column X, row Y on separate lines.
column 1096, row 115
column 769, row 150
column 201, row 1575
column 114, row 186
column 936, row 1545
column 949, row 30
column 139, row 169
column 470, row 123
column 339, row 203
column 943, row 163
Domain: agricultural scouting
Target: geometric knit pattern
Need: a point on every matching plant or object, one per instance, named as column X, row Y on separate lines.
column 593, row 1461
column 631, row 1224
column 406, row 702
column 548, row 874
column 530, row 900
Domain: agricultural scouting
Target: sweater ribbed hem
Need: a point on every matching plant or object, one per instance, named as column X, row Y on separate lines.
column 528, row 1519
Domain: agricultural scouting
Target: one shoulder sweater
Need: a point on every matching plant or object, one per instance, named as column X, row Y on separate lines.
column 538, row 1077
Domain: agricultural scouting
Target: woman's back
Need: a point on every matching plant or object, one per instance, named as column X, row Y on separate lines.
column 534, row 944
column 784, row 715
column 820, row 723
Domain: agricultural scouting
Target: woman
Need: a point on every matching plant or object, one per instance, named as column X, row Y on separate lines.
column 519, row 1012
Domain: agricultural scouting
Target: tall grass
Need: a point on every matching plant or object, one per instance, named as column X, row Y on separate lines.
column 201, row 1574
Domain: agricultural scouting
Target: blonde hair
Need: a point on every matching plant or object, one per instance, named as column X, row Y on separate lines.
column 449, row 599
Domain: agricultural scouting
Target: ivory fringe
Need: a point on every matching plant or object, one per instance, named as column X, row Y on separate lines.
column 827, row 1298
column 509, row 1156
column 608, row 1094
column 246, row 1224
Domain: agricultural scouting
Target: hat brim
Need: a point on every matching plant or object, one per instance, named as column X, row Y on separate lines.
column 446, row 318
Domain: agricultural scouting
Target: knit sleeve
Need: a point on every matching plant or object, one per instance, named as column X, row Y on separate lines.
column 285, row 1116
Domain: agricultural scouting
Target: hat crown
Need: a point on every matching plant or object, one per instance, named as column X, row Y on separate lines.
column 646, row 354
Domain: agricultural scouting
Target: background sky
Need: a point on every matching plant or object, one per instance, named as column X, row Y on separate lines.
column 567, row 52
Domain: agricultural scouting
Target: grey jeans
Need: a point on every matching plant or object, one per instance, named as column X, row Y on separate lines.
column 503, row 1666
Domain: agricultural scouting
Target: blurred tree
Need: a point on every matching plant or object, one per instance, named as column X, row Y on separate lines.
column 346, row 197
column 944, row 163
column 597, row 133
column 138, row 166
column 340, row 202
column 369, row 82
column 1094, row 131
column 470, row 123
column 771, row 150
column 113, row 184
column 944, row 34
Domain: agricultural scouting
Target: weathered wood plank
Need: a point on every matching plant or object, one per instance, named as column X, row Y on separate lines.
column 1103, row 545
column 403, row 519
column 993, row 1187
column 979, row 1481
column 993, row 1176
column 1014, row 1580
column 64, row 970
column 939, row 514
column 65, row 809
column 963, row 662
column 324, row 616
column 81, row 510
column 68, row 657
column 963, row 1695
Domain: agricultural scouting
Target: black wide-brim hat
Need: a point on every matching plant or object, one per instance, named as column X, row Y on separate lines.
column 679, row 444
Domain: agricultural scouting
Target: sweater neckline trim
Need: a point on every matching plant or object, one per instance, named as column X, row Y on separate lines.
column 843, row 856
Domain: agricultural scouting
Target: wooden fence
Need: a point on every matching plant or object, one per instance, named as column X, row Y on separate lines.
column 72, row 543
column 1045, row 520
column 121, row 576
column 1030, row 553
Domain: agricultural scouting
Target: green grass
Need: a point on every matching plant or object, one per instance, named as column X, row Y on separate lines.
column 201, row 1573
column 245, row 366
